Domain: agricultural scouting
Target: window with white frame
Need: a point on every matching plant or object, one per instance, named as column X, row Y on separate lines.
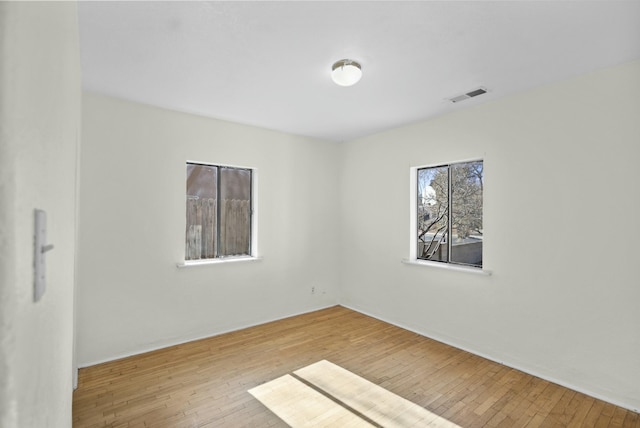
column 219, row 211
column 449, row 213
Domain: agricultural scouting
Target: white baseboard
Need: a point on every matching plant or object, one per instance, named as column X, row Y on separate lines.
column 447, row 341
column 511, row 364
column 182, row 341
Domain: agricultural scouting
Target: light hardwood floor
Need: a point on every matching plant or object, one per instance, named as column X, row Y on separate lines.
column 205, row 383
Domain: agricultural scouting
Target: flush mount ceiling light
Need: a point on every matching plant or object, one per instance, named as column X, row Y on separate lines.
column 346, row 72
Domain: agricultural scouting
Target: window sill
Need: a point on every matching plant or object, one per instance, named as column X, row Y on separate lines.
column 222, row 260
column 447, row 266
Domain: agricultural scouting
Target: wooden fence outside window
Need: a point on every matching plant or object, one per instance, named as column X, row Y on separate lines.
column 202, row 224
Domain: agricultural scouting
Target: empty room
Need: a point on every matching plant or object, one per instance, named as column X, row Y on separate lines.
column 319, row 214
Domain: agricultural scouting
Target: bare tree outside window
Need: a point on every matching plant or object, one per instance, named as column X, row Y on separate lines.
column 449, row 213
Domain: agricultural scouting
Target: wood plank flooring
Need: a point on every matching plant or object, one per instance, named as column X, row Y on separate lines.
column 205, row 383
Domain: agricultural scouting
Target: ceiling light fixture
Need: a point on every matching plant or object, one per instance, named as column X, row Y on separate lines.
column 346, row 72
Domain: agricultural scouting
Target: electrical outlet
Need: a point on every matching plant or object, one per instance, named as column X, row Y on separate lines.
column 313, row 290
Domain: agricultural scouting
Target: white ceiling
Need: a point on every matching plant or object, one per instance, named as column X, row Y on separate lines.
column 268, row 63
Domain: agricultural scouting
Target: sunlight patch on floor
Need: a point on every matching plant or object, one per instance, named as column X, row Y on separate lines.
column 324, row 391
column 301, row 406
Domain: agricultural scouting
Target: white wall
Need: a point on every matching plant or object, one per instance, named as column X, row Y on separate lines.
column 335, row 216
column 131, row 296
column 561, row 217
column 39, row 127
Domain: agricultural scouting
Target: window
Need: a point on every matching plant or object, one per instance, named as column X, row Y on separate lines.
column 219, row 211
column 449, row 213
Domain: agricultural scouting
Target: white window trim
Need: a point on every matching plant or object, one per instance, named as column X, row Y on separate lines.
column 254, row 224
column 413, row 226
column 217, row 261
column 447, row 266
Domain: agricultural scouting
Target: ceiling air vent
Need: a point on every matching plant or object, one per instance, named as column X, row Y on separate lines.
column 468, row 95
